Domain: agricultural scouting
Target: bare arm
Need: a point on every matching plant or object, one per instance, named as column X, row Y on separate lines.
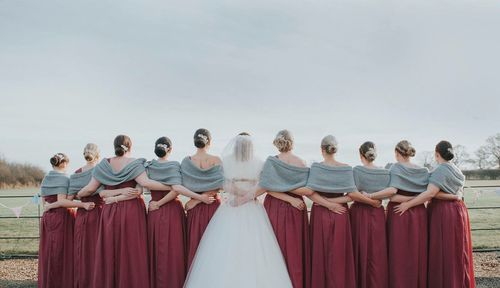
column 295, row 202
column 188, row 193
column 334, row 207
column 155, row 205
column 401, row 198
column 63, row 201
column 303, row 191
column 382, row 194
column 340, row 200
column 144, row 181
column 358, row 197
column 89, row 189
column 431, row 191
column 127, row 193
column 447, row 196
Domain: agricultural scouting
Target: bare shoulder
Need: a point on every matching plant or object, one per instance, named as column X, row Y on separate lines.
column 215, row 160
column 297, row 161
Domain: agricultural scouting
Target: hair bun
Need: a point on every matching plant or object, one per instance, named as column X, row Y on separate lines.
column 405, row 149
column 329, row 144
column 283, row 141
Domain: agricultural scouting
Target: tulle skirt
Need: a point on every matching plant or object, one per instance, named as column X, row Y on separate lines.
column 121, row 252
column 291, row 228
column 197, row 221
column 369, row 245
column 167, row 244
column 450, row 245
column 55, row 254
column 331, row 252
column 407, row 242
column 239, row 249
column 86, row 231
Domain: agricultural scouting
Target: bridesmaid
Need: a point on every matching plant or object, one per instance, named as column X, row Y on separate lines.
column 332, row 255
column 368, row 222
column 121, row 251
column 55, row 255
column 407, row 233
column 167, row 221
column 280, row 176
column 450, row 244
column 201, row 173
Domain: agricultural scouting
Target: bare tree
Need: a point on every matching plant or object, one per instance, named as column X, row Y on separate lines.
column 482, row 159
column 461, row 157
column 426, row 159
column 493, row 148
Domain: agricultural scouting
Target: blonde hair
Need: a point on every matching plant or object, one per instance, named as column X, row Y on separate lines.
column 405, row 149
column 283, row 141
column 91, row 152
column 329, row 144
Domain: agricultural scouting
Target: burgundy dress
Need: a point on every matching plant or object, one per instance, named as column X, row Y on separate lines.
column 331, row 253
column 369, row 240
column 121, row 252
column 55, row 254
column 86, row 231
column 167, row 243
column 291, row 228
column 450, row 245
column 407, row 242
column 197, row 221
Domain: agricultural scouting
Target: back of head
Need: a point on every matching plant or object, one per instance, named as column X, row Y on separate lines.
column 163, row 146
column 368, row 151
column 58, row 159
column 445, row 149
column 284, row 141
column 405, row 149
column 91, row 152
column 202, row 138
column 122, row 144
column 243, row 148
column 329, row 144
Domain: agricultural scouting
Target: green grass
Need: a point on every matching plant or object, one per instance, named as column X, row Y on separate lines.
column 478, row 197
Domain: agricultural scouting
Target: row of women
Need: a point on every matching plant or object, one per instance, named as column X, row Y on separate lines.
column 112, row 242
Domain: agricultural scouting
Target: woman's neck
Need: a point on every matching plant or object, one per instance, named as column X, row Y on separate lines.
column 330, row 159
column 163, row 159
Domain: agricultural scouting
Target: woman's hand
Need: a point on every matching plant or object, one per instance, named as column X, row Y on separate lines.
column 401, row 208
column 131, row 191
column 47, row 207
column 297, row 203
column 207, row 198
column 337, row 208
column 191, row 204
column 153, row 205
column 377, row 203
column 110, row 200
column 88, row 205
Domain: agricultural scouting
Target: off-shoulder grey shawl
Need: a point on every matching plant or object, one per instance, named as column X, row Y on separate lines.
column 448, row 178
column 79, row 180
column 371, row 180
column 104, row 173
column 278, row 176
column 331, row 179
column 168, row 173
column 54, row 183
column 410, row 179
column 201, row 180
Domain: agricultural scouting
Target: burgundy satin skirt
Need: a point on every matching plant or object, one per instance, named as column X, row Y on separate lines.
column 369, row 245
column 55, row 254
column 86, row 231
column 167, row 243
column 331, row 252
column 197, row 221
column 121, row 252
column 290, row 226
column 450, row 245
column 407, row 242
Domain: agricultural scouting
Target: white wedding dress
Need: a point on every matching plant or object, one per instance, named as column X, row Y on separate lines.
column 239, row 248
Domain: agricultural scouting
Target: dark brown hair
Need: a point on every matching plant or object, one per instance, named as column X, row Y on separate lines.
column 202, row 138
column 122, row 145
column 368, row 151
column 445, row 149
column 59, row 159
column 162, row 146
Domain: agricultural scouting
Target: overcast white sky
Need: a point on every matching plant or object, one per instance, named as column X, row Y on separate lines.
column 73, row 72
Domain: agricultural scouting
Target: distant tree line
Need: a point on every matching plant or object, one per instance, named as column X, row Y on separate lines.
column 19, row 175
column 484, row 163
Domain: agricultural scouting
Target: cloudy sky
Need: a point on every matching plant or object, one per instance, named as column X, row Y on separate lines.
column 73, row 72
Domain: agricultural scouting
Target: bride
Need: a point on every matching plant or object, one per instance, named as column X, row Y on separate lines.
column 238, row 248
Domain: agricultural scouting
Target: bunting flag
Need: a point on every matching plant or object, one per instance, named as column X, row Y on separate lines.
column 18, row 209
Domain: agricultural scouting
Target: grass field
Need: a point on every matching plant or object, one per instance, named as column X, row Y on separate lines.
column 474, row 197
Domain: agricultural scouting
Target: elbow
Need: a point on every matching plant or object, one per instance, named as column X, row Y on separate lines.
column 392, row 191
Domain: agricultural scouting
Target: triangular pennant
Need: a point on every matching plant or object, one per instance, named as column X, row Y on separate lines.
column 17, row 210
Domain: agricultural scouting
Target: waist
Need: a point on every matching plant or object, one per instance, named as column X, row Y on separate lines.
column 130, row 183
column 50, row 198
column 407, row 193
column 331, row 195
column 158, row 194
column 93, row 198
